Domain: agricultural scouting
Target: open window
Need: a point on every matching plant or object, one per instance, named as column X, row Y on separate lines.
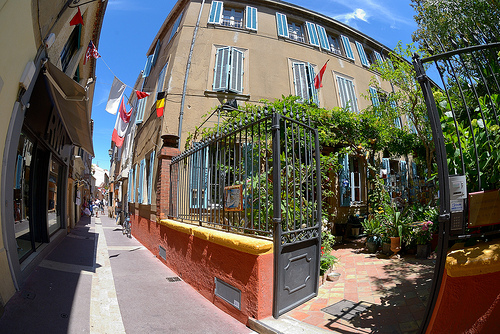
column 303, row 80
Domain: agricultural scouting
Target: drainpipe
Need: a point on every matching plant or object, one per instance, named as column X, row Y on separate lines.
column 188, row 66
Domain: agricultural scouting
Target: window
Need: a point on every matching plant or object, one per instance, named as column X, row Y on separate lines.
column 71, row 46
column 350, row 186
column 303, row 81
column 376, row 57
column 147, row 66
column 296, row 32
column 347, row 47
column 362, row 54
column 150, row 163
column 228, row 71
column 334, row 45
column 232, row 16
column 347, row 94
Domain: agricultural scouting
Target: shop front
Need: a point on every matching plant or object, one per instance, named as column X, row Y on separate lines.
column 36, row 173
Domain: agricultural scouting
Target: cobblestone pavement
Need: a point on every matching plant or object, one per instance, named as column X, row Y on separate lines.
column 390, row 293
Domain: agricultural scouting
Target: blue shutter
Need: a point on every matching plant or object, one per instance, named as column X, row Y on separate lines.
column 387, row 166
column 378, row 57
column 141, row 181
column 344, row 182
column 150, row 181
column 175, row 27
column 221, row 70
column 161, row 79
column 347, row 47
column 312, row 33
column 353, row 104
column 374, row 97
column 147, row 67
column 198, row 184
column 134, row 185
column 300, row 81
column 362, row 54
column 155, row 54
column 312, row 90
column 236, row 71
column 251, row 18
column 397, row 120
column 129, row 190
column 215, row 16
column 282, row 25
column 323, row 38
column 404, row 176
column 141, row 106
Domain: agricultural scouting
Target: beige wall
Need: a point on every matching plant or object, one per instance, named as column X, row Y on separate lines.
column 267, row 65
column 18, row 36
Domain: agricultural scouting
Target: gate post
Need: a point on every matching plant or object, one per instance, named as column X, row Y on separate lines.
column 163, row 196
column 275, row 128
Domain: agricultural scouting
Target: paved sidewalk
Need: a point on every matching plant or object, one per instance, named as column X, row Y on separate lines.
column 99, row 281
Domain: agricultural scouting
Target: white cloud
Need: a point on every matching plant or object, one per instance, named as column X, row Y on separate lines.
column 359, row 14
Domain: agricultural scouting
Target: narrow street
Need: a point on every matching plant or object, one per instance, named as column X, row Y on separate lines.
column 99, row 281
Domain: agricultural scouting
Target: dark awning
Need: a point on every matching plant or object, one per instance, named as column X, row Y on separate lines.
column 72, row 105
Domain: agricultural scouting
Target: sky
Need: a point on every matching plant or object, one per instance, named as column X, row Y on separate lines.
column 130, row 25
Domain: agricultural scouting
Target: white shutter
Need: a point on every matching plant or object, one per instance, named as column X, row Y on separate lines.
column 236, row 71
column 300, row 80
column 215, row 16
column 150, row 181
column 221, row 70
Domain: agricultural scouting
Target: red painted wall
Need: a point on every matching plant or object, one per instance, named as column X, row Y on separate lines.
column 198, row 262
column 469, row 304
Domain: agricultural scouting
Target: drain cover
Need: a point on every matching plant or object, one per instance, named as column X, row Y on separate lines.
column 28, row 295
column 173, row 279
column 346, row 309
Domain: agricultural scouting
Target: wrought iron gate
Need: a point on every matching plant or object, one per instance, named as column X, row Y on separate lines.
column 297, row 213
column 465, row 125
column 259, row 174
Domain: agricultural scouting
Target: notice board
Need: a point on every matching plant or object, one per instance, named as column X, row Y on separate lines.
column 484, row 208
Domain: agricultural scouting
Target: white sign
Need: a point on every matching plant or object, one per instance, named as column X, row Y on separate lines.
column 457, row 205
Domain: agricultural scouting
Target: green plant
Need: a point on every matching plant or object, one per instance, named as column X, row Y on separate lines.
column 326, row 262
column 422, row 233
column 327, row 241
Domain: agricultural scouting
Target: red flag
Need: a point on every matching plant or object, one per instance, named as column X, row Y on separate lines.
column 121, row 125
column 77, row 19
column 91, row 52
column 141, row 95
column 319, row 77
column 160, row 104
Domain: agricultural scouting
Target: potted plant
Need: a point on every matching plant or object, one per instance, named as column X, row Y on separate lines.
column 423, row 237
column 373, row 229
column 396, row 225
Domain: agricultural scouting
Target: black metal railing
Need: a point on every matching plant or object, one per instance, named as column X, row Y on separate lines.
column 260, row 168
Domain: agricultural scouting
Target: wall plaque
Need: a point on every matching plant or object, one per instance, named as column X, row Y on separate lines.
column 484, row 208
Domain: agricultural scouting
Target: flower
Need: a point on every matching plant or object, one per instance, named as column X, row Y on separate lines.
column 422, row 233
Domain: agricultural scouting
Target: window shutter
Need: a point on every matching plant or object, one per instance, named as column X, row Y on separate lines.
column 141, row 182
column 236, row 71
column 374, row 96
column 251, row 18
column 147, row 67
column 300, row 81
column 151, row 169
column 129, row 190
column 312, row 33
column 362, row 54
column 175, row 27
column 387, row 166
column 353, row 101
column 378, row 57
column 323, row 38
column 215, row 16
column 342, row 92
column 161, row 79
column 156, row 53
column 134, row 185
column 313, row 91
column 347, row 47
column 141, row 106
column 404, row 176
column 397, row 120
column 344, row 182
column 221, row 70
column 282, row 25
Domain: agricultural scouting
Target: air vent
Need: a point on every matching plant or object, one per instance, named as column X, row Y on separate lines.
column 163, row 253
column 228, row 293
column 174, row 279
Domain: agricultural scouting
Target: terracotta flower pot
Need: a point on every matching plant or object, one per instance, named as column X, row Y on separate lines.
column 395, row 244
